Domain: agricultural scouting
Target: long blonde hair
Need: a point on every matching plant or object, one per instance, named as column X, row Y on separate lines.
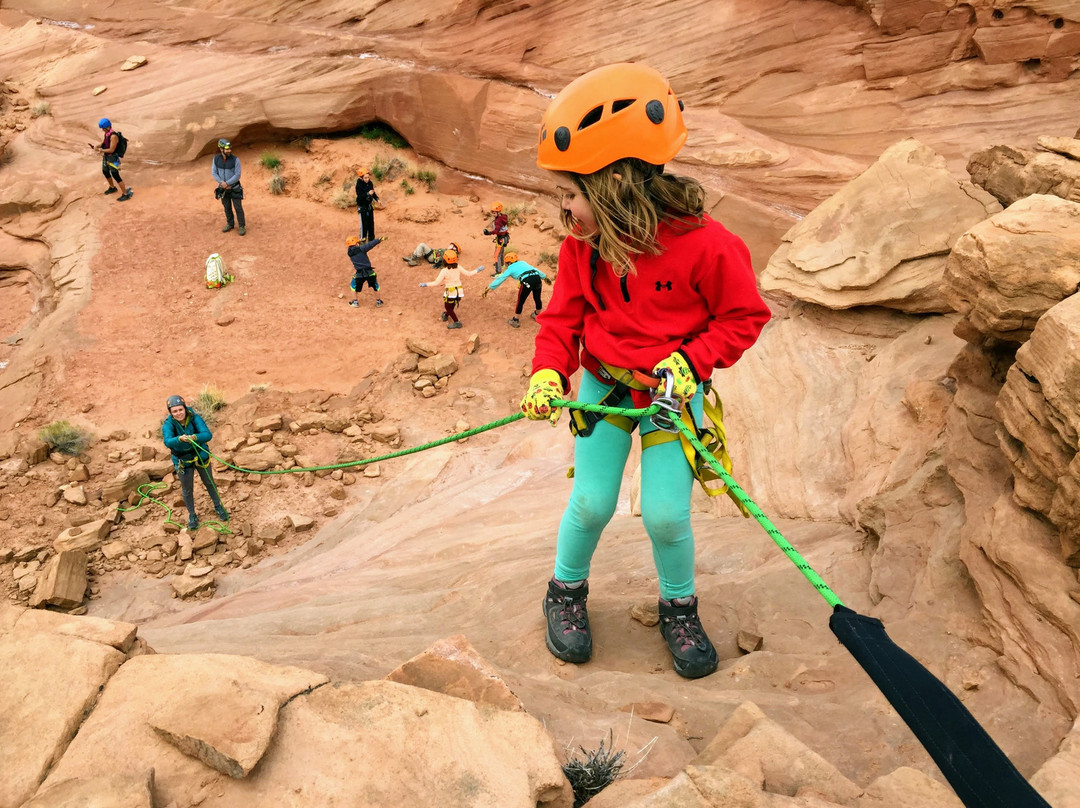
column 629, row 198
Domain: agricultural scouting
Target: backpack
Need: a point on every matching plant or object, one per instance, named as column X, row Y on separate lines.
column 121, row 145
column 216, row 276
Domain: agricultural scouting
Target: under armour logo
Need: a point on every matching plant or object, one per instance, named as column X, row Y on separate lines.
column 660, row 286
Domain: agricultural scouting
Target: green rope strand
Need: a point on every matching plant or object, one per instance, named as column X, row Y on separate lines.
column 774, row 533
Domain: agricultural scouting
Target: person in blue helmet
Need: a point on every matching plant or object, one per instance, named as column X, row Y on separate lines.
column 226, row 171
column 110, row 160
column 186, row 434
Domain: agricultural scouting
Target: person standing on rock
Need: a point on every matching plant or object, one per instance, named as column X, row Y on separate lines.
column 226, row 171
column 648, row 286
column 363, row 271
column 365, row 201
column 530, row 280
column 453, row 291
column 110, row 160
column 186, row 434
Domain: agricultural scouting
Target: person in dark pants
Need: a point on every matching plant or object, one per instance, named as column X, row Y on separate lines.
column 226, row 172
column 365, row 199
column 181, row 432
column 110, row 160
column 529, row 278
column 363, row 271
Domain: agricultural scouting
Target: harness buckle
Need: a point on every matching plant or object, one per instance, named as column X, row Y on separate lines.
column 670, row 407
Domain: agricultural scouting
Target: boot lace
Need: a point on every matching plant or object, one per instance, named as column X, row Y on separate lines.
column 572, row 615
column 686, row 630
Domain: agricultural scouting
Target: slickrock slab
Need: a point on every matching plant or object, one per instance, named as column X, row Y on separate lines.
column 106, row 791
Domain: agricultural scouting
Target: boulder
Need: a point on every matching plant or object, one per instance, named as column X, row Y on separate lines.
column 185, row 586
column 1010, row 174
column 86, row 537
column 125, row 484
column 260, row 457
column 1006, row 272
column 420, row 346
column 882, row 240
column 452, row 666
column 126, row 790
column 63, row 581
column 439, row 365
column 274, row 422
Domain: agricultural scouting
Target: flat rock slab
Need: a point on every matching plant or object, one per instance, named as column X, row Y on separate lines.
column 106, row 791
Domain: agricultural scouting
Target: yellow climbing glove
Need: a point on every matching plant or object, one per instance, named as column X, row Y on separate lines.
column 485, row 292
column 685, row 385
column 544, row 386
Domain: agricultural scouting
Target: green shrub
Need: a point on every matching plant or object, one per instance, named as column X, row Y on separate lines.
column 277, row 184
column 380, row 131
column 270, row 160
column 40, row 108
column 409, row 190
column 378, row 169
column 208, row 402
column 515, row 214
column 62, row 437
column 590, row 775
column 425, row 176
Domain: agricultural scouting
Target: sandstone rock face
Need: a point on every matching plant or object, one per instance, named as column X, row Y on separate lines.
column 1006, row 272
column 1011, row 174
column 104, row 791
column 883, row 239
column 50, row 681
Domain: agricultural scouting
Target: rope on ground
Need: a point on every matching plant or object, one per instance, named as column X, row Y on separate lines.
column 144, row 496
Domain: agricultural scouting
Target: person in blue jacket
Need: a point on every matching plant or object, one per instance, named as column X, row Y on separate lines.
column 181, row 430
column 226, row 172
column 529, row 279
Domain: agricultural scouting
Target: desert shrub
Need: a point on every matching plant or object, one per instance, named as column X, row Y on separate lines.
column 425, row 176
column 209, row 401
column 409, row 190
column 387, row 134
column 591, row 774
column 551, row 259
column 345, row 198
column 65, row 438
column 378, row 169
column 40, row 108
column 270, row 160
column 303, row 142
column 325, row 179
column 516, row 214
column 277, row 184
column 258, row 388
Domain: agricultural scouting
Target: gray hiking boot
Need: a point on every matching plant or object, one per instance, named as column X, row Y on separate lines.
column 411, row 260
column 691, row 651
column 568, row 636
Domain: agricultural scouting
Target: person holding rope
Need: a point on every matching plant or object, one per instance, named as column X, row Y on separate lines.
column 186, row 434
column 648, row 285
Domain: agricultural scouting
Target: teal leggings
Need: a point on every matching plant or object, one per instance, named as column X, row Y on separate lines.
column 666, row 483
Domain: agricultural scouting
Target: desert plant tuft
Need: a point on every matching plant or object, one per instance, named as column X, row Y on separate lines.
column 270, row 160
column 209, row 401
column 344, row 198
column 551, row 259
column 425, row 176
column 258, row 388
column 40, row 108
column 516, row 213
column 62, row 437
column 303, row 142
column 409, row 190
column 380, row 131
column 594, row 772
column 277, row 184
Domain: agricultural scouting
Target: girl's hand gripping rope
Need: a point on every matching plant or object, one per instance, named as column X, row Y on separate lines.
column 685, row 384
column 544, row 387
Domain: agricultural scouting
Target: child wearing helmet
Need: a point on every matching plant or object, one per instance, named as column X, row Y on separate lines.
column 648, row 284
column 363, row 271
column 110, row 160
column 529, row 280
column 432, row 255
column 365, row 201
column 186, row 434
column 453, row 291
column 500, row 229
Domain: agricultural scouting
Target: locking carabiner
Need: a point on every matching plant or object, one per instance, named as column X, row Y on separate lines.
column 670, row 407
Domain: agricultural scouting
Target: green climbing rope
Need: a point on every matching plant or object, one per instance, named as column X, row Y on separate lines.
column 643, row 412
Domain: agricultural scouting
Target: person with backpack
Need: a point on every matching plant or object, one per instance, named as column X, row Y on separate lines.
column 186, row 434
column 226, row 171
column 500, row 229
column 113, row 147
column 363, row 271
column 365, row 200
column 530, row 280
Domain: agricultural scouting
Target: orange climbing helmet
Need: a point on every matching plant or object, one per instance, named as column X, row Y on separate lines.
column 617, row 111
column 453, row 246
column 496, row 207
column 352, row 241
column 510, row 257
column 449, row 256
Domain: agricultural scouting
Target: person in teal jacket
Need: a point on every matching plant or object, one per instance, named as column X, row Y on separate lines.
column 529, row 279
column 181, row 431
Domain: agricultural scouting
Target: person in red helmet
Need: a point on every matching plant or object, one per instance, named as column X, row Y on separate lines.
column 648, row 285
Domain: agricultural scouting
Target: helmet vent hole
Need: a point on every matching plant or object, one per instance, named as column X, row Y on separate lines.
column 681, row 107
column 562, row 138
column 621, row 104
column 543, row 134
column 591, row 117
column 655, row 110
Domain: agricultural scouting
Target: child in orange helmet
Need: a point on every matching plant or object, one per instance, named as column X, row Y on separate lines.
column 648, row 285
column 453, row 291
column 363, row 271
column 500, row 229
